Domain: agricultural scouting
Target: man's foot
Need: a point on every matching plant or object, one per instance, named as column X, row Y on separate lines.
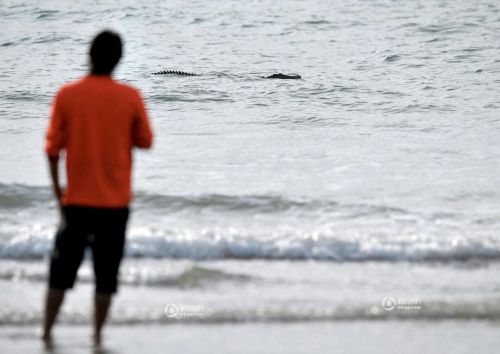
column 97, row 340
column 45, row 336
column 47, row 339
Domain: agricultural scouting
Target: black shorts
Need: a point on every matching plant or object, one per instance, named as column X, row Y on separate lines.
column 101, row 229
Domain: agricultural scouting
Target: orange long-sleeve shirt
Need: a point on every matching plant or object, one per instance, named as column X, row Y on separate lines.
column 97, row 121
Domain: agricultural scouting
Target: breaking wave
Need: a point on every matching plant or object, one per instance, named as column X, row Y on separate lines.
column 292, row 245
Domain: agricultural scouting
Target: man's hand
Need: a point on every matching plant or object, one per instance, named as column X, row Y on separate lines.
column 54, row 174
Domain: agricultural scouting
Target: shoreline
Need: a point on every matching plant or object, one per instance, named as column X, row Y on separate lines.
column 317, row 337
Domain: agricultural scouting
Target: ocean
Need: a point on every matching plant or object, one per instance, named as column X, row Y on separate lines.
column 368, row 190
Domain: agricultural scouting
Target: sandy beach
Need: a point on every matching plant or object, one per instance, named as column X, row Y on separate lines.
column 392, row 337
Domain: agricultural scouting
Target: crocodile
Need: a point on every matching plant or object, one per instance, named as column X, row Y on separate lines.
column 273, row 76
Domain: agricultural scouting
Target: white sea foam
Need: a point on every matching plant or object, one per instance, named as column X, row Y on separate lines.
column 231, row 243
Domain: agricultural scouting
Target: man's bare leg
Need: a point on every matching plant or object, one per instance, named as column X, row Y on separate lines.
column 102, row 303
column 53, row 301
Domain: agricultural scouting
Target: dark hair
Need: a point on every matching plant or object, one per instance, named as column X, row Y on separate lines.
column 105, row 52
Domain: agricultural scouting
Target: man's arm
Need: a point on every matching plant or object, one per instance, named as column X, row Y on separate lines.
column 141, row 129
column 55, row 141
column 54, row 174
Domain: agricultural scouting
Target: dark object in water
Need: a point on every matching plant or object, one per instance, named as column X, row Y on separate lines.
column 273, row 76
column 173, row 72
column 284, row 77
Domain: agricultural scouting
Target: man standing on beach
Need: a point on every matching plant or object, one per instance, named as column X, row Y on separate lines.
column 97, row 121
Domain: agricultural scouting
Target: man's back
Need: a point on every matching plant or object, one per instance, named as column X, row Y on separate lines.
column 97, row 121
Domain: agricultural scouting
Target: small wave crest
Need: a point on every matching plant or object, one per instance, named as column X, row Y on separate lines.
column 331, row 231
column 392, row 57
column 434, row 310
column 22, row 196
column 229, row 243
column 131, row 275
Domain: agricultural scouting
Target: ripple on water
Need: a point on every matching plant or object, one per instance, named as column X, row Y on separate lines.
column 46, row 14
column 392, row 57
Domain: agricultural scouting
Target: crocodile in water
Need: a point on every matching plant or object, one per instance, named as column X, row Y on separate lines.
column 273, row 76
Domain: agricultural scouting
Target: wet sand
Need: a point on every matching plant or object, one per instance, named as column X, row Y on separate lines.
column 386, row 337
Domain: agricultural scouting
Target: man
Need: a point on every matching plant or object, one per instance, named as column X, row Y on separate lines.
column 97, row 121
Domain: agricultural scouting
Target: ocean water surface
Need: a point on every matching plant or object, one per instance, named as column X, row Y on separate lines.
column 373, row 177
